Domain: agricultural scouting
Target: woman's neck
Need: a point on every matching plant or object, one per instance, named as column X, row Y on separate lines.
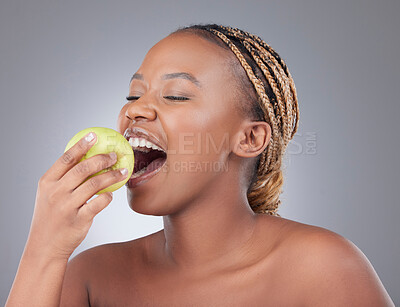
column 212, row 231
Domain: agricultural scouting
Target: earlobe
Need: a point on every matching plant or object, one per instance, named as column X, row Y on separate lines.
column 252, row 139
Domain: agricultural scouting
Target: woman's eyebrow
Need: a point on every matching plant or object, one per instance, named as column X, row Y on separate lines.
column 181, row 75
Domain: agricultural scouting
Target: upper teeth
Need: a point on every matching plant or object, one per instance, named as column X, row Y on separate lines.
column 136, row 142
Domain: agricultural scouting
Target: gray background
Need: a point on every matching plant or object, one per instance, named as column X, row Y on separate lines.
column 66, row 65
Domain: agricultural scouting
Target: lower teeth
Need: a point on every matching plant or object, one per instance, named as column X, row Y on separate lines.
column 141, row 172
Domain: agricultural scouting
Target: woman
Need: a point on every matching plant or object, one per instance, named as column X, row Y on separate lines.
column 221, row 106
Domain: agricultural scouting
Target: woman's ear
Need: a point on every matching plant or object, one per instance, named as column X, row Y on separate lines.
column 252, row 138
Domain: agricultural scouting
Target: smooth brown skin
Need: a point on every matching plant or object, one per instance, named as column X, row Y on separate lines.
column 214, row 250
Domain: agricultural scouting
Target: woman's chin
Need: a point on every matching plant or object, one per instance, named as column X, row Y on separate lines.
column 148, row 208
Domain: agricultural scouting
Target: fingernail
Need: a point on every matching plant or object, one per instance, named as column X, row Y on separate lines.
column 123, row 171
column 113, row 156
column 89, row 137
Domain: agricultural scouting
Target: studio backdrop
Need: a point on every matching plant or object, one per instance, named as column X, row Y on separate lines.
column 66, row 66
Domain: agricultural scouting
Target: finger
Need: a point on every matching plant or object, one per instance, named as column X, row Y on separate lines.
column 95, row 184
column 71, row 157
column 88, row 211
column 78, row 174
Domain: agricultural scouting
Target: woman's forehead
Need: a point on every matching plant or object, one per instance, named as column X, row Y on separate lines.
column 181, row 50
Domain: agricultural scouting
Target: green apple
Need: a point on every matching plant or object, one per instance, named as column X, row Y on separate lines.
column 108, row 140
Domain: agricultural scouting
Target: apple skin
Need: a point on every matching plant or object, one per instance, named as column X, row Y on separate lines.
column 108, row 140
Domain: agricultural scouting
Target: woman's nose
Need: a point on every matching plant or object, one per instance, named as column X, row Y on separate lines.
column 140, row 110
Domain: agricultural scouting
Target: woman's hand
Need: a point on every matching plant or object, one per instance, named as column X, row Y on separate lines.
column 62, row 216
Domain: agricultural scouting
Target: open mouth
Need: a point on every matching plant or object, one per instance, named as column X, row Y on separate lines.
column 149, row 153
column 147, row 160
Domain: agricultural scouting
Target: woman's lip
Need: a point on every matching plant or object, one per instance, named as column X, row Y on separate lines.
column 133, row 182
column 140, row 132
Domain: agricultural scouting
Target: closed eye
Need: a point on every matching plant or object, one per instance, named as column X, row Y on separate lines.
column 130, row 98
column 176, row 98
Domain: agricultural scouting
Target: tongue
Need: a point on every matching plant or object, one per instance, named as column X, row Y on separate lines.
column 143, row 159
column 154, row 165
column 139, row 158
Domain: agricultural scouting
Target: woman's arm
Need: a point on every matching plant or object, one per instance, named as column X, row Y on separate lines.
column 44, row 276
column 61, row 220
column 39, row 279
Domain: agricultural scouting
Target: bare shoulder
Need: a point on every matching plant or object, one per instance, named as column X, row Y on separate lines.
column 333, row 270
column 91, row 269
column 111, row 255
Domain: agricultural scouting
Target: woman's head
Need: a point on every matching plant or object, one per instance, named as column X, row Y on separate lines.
column 266, row 91
column 242, row 82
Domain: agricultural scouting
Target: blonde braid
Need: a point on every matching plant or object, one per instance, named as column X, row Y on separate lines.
column 260, row 91
column 280, row 109
column 284, row 72
column 281, row 85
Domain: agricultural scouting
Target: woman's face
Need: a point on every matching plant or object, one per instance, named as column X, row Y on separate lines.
column 196, row 132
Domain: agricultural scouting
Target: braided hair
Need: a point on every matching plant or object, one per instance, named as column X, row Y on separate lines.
column 273, row 99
